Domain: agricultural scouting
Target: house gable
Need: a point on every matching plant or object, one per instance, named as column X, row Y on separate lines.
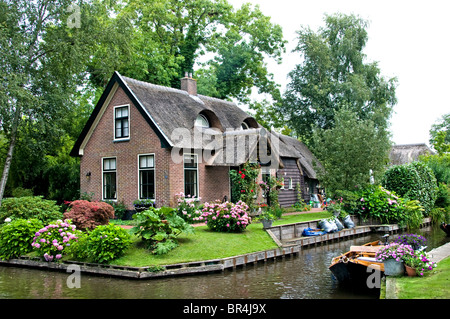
column 115, row 82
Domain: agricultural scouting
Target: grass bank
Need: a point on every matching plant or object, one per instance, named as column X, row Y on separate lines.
column 435, row 285
column 205, row 244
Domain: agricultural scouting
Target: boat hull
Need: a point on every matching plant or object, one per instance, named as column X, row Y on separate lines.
column 357, row 264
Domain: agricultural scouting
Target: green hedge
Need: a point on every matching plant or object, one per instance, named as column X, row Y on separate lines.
column 30, row 207
column 415, row 181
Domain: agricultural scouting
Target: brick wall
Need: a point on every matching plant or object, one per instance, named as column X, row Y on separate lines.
column 169, row 176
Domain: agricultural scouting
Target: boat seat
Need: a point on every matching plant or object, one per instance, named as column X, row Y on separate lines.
column 372, row 259
column 365, row 249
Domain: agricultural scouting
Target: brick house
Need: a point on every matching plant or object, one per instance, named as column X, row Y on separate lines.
column 145, row 141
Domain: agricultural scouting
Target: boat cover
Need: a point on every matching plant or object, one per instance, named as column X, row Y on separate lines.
column 313, row 232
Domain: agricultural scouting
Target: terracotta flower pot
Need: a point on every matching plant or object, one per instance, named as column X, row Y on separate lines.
column 410, row 271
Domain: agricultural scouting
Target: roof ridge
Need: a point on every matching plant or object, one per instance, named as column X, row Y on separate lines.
column 154, row 86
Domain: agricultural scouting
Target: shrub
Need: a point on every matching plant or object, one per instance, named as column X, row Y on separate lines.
column 187, row 207
column 88, row 215
column 415, row 181
column 17, row 236
column 52, row 240
column 379, row 203
column 226, row 217
column 159, row 228
column 29, row 207
column 347, row 199
column 120, row 209
column 106, row 243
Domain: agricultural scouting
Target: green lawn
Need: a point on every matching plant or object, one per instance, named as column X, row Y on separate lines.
column 434, row 285
column 205, row 244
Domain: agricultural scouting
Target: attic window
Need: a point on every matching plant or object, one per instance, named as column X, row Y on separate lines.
column 201, row 121
column 121, row 122
column 244, row 126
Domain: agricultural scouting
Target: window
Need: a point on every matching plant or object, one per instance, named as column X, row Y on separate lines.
column 244, row 126
column 201, row 121
column 121, row 122
column 109, row 179
column 191, row 175
column 146, row 177
column 291, row 185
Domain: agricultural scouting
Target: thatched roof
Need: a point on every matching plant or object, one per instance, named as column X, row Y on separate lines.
column 172, row 114
column 407, row 153
column 293, row 148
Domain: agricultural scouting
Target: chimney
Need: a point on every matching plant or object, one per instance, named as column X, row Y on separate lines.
column 189, row 84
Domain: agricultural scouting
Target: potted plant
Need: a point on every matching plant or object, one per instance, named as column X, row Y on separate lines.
column 393, row 256
column 416, row 242
column 418, row 264
column 143, row 204
column 267, row 217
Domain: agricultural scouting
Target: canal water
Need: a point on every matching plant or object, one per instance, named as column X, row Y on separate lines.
column 304, row 276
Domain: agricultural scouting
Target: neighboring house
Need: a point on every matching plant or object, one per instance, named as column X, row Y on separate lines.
column 408, row 153
column 145, row 141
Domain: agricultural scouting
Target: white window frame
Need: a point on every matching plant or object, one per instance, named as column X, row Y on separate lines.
column 114, row 123
column 103, row 177
column 291, row 183
column 202, row 117
column 139, row 175
column 196, row 170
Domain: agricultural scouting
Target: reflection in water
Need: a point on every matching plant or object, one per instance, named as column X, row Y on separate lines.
column 305, row 276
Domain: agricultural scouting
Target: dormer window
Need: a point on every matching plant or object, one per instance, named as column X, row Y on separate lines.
column 244, row 126
column 121, row 123
column 201, row 121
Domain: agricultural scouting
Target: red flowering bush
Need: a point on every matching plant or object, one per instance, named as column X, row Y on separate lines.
column 88, row 215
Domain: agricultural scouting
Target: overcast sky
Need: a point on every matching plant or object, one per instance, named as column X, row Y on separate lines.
column 409, row 39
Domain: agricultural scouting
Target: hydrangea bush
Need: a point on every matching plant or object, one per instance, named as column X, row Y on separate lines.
column 52, row 240
column 188, row 207
column 226, row 216
column 106, row 243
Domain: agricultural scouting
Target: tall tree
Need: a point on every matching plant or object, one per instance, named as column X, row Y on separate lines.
column 44, row 49
column 334, row 74
column 440, row 135
column 349, row 151
column 227, row 47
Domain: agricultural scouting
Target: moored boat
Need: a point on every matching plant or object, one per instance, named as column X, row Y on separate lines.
column 353, row 265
